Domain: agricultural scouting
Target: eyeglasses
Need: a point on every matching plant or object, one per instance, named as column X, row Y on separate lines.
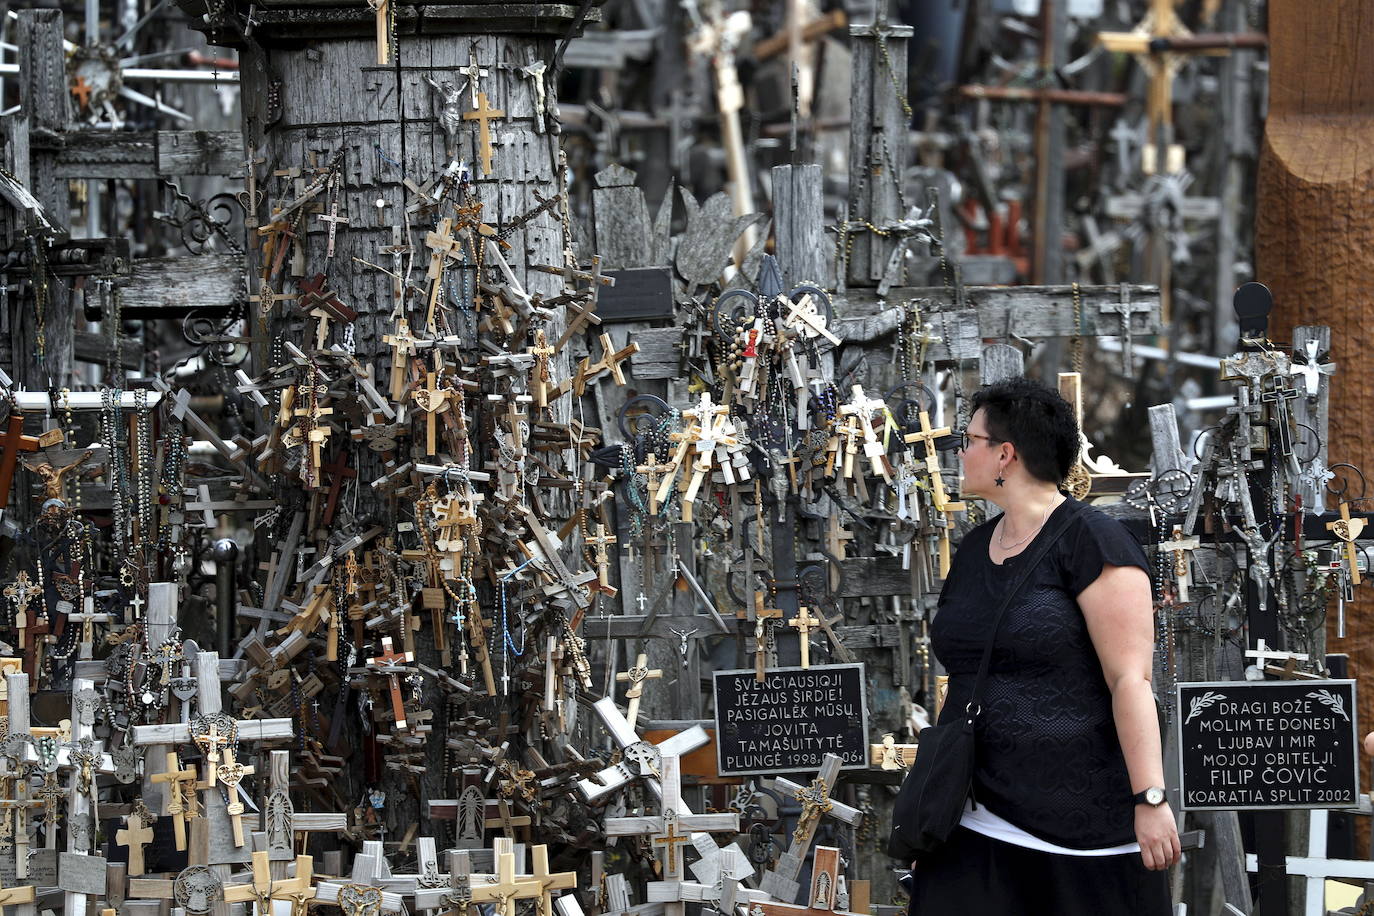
column 965, row 436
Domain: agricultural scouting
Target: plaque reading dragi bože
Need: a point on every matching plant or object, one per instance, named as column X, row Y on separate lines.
column 1268, row 744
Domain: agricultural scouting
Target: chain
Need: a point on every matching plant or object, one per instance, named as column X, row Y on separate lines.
column 1076, row 343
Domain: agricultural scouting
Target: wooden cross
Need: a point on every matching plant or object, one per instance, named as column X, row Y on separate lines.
column 181, row 795
column 1125, row 307
column 663, row 829
column 539, row 373
column 1263, row 654
column 816, row 801
column 483, row 116
column 761, row 617
column 382, row 11
column 1348, row 529
column 1179, row 547
column 338, row 473
column 230, row 773
column 11, row 444
column 433, row 400
column 636, row 677
column 333, row 218
column 804, row 623
column 601, row 541
column 507, row 889
column 403, row 346
column 652, row 471
column 823, row 898
column 387, row 663
column 21, row 591
column 17, row 894
column 135, row 834
column 88, row 619
column 548, row 881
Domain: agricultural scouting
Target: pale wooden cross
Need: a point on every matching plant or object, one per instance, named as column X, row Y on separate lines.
column 549, row 881
column 181, row 795
column 636, row 677
column 403, row 346
column 230, row 773
column 483, row 115
column 539, row 373
column 473, row 72
column 601, row 541
column 663, row 830
column 88, row 618
column 382, row 10
column 507, row 889
column 1347, row 529
column 135, row 834
column 1179, row 547
column 804, row 623
column 433, row 400
column 652, row 470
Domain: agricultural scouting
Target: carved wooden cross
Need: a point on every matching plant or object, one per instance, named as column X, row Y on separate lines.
column 230, row 773
column 1347, row 529
column 507, row 889
column 539, row 373
column 21, row 591
column 135, row 834
column 11, row 444
column 635, row 677
column 181, row 795
column 652, row 470
column 600, row 542
column 403, row 346
column 433, row 400
column 387, row 663
column 483, row 115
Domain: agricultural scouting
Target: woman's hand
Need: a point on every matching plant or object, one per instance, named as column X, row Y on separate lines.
column 914, row 863
column 1157, row 833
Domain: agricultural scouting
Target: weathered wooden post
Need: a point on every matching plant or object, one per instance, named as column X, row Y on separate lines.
column 1313, row 232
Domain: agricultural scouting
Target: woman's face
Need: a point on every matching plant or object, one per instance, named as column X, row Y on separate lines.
column 980, row 458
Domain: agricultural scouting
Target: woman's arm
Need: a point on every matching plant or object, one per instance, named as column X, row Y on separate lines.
column 1120, row 616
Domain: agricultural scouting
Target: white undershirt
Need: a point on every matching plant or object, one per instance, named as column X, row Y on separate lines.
column 981, row 820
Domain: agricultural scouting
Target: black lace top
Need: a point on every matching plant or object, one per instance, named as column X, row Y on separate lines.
column 1047, row 755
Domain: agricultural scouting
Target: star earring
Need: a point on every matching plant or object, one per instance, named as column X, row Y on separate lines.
column 999, row 479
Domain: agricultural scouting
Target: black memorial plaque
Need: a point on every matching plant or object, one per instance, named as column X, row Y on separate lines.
column 639, row 293
column 788, row 723
column 1259, row 745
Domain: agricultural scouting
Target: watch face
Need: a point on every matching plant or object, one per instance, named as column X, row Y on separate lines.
column 1154, row 796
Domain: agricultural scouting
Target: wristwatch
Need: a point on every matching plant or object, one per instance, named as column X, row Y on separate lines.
column 1153, row 796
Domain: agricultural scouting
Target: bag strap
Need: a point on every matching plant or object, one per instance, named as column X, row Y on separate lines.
column 974, row 704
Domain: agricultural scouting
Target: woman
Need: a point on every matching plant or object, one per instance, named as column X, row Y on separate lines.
column 1067, row 813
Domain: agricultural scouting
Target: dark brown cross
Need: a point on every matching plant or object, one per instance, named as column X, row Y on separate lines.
column 338, row 472
column 387, row 663
column 11, row 444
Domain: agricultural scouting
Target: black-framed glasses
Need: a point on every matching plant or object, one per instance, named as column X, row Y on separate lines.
column 965, row 436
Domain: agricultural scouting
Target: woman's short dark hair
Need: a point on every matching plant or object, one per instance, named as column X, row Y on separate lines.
column 1037, row 420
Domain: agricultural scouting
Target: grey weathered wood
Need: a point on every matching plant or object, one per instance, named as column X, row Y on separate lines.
column 878, row 147
column 148, row 154
column 43, row 115
column 799, row 225
column 1313, row 415
column 95, row 348
column 621, row 218
column 172, row 287
column 1168, row 456
column 160, row 620
column 999, row 363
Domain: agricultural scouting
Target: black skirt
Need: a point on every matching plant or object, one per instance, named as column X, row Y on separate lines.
column 975, row 874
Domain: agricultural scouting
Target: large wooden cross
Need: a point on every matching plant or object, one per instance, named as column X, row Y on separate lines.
column 781, row 882
column 663, row 829
column 11, row 444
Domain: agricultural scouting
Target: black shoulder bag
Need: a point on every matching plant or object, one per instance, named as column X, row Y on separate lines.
column 932, row 796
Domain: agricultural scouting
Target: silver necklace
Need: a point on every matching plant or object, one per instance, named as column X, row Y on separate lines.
column 1001, row 542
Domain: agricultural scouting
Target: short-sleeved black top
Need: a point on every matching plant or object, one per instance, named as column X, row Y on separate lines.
column 1047, row 754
